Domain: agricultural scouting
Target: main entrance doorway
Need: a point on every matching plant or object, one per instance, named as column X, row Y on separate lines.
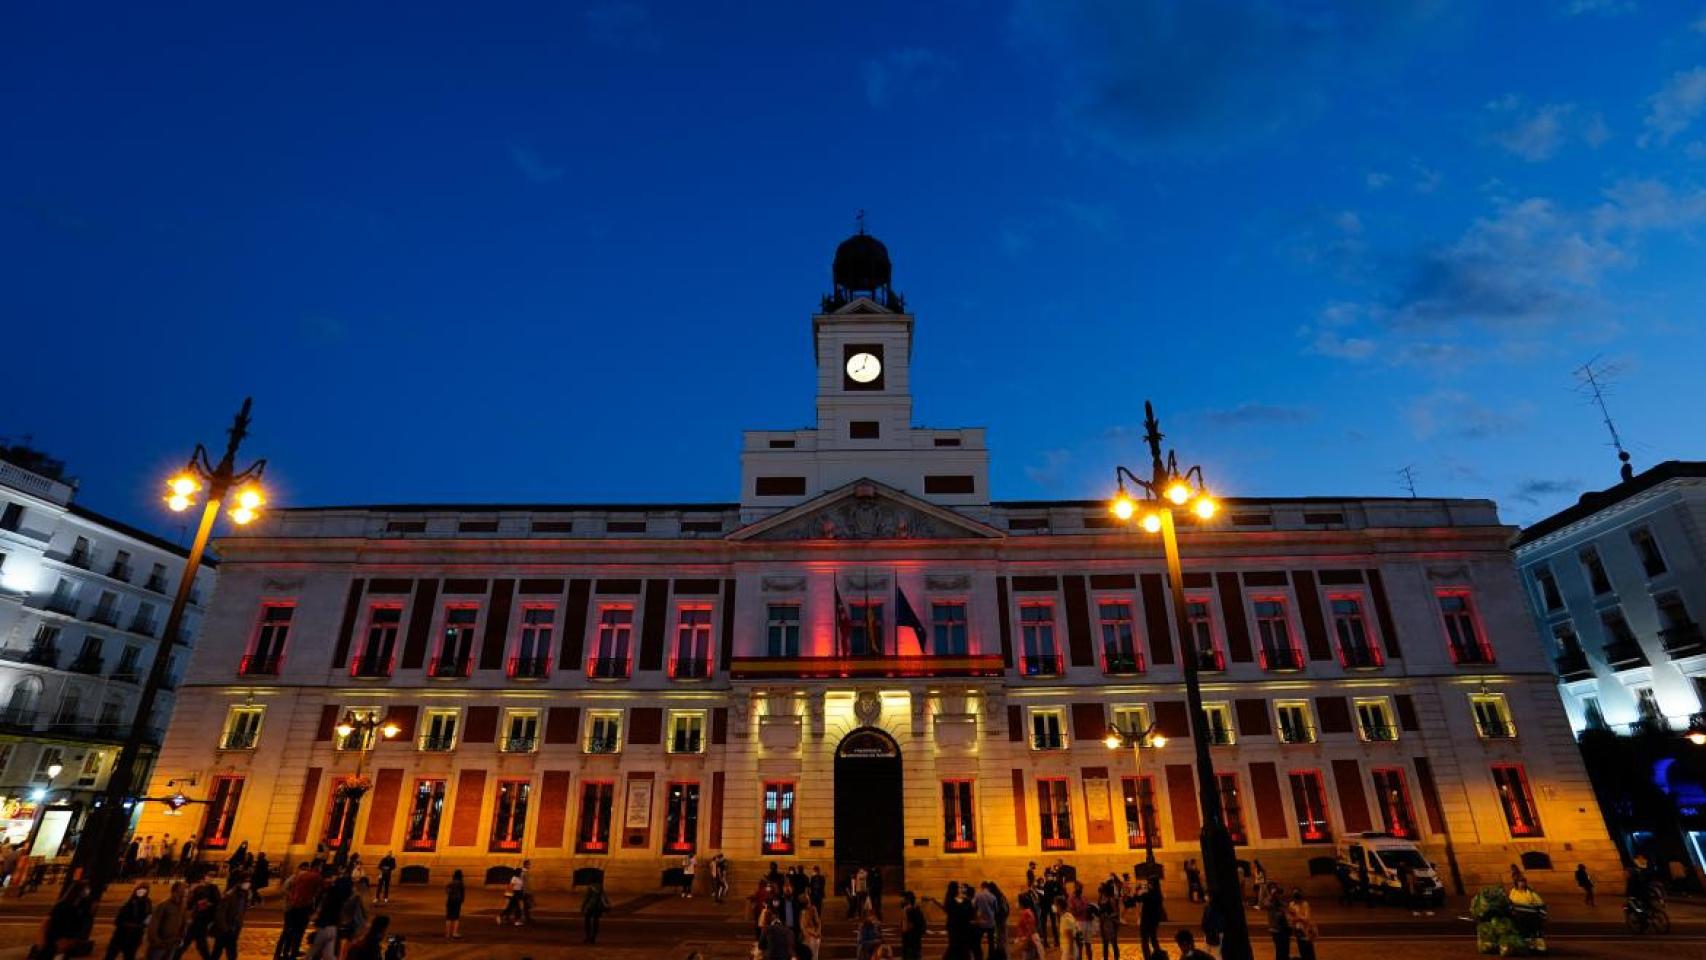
column 870, row 812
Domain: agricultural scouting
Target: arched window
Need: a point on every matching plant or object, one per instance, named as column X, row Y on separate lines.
column 25, row 699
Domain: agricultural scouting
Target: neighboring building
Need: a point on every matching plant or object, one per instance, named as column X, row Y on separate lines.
column 1618, row 582
column 866, row 660
column 83, row 603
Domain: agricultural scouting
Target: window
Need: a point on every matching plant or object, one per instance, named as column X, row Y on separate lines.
column 1054, row 808
column 1647, row 706
column 438, row 730
column 1592, row 716
column 863, row 430
column 509, row 816
column 1219, row 724
column 533, row 645
column 1595, row 569
column 1309, row 799
column 692, row 642
column 106, row 609
column 1274, row 631
column 1048, row 730
column 337, row 812
column 121, row 566
column 129, row 665
column 949, row 483
column 1492, row 716
column 779, row 486
column 778, row 819
column 12, row 517
column 359, row 738
column 157, row 578
column 1396, row 817
column 604, row 731
column 1462, row 628
column 686, row 731
column 948, row 628
column 615, row 635
column 865, row 634
column 1201, row 618
column 1374, row 720
column 521, row 731
column 1357, row 651
column 959, row 832
column 1647, row 548
column 456, row 644
column 1119, row 645
column 1036, row 629
column 426, row 807
column 1621, row 647
column 782, row 630
column 1133, row 720
column 242, row 728
column 374, row 660
column 81, row 554
column 1294, row 725
column 1232, row 807
column 1679, row 633
column 1140, row 827
column 49, row 756
column 223, row 797
column 266, row 654
column 1548, row 584
column 593, row 833
column 681, row 818
column 1520, row 814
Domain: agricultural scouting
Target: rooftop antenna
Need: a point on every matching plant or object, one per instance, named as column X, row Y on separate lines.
column 1409, row 475
column 859, row 218
column 1596, row 381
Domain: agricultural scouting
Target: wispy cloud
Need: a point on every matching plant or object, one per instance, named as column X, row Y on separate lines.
column 1098, row 218
column 1375, row 180
column 623, row 24
column 1675, row 107
column 532, row 165
column 1453, row 413
column 907, row 71
column 1532, row 491
column 1251, row 413
column 1537, row 133
column 1602, row 8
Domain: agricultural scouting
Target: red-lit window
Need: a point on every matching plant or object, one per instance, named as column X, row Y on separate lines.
column 1119, row 638
column 426, row 807
column 1396, row 816
column 1520, row 813
column 1309, row 799
column 336, row 811
column 1463, row 628
column 221, row 812
column 681, row 818
column 1232, row 807
column 533, row 642
column 959, row 830
column 692, row 657
column 266, row 653
column 1273, row 628
column 1200, row 614
column 610, row 651
column 374, row 658
column 1140, row 827
column 456, row 643
column 778, row 818
column 593, row 833
column 509, row 818
column 1357, row 649
column 1041, row 658
column 1054, row 807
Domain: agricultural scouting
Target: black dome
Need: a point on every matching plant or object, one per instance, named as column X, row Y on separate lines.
column 861, row 263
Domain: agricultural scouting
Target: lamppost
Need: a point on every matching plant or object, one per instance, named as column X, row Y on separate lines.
column 357, row 729
column 1118, row 737
column 1166, row 489
column 97, row 853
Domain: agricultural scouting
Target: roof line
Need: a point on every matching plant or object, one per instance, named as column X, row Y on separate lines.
column 1594, row 501
column 130, row 531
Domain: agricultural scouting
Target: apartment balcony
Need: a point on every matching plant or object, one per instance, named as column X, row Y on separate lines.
column 79, row 558
column 370, row 667
column 1469, row 655
column 1360, row 658
column 602, row 745
column 431, row 744
column 1378, row 732
column 59, row 603
column 1122, row 664
column 1573, row 665
column 1040, row 665
column 449, row 668
column 260, row 665
column 779, row 668
column 1683, row 640
column 608, row 668
column 120, row 571
column 518, row 744
column 145, row 626
column 1219, row 736
column 1495, row 729
column 12, row 718
column 686, row 743
column 126, row 674
column 1211, row 661
column 87, row 664
column 695, row 669
column 1281, row 659
column 529, row 668
column 1048, row 741
column 1625, row 654
column 156, row 584
column 37, row 654
column 240, row 740
column 106, row 616
column 1296, row 734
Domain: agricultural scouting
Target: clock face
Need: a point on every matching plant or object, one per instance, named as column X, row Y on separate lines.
column 863, row 367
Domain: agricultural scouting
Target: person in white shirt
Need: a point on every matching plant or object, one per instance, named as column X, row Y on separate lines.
column 688, row 867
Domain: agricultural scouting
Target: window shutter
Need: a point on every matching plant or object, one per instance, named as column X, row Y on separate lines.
column 1335, row 714
column 720, row 725
column 1015, row 723
column 1253, row 719
column 1172, row 720
column 404, row 717
column 563, row 725
column 1088, row 722
column 645, row 725
column 328, row 720
column 482, row 726
column 1406, row 712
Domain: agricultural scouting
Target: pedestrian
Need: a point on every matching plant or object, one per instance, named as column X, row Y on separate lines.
column 66, row 931
column 324, row 944
column 1152, row 911
column 689, row 866
column 912, row 927
column 371, row 944
column 332, row 902
column 512, row 909
column 1302, row 922
column 454, row 893
column 1193, row 882
column 1108, row 924
column 593, row 905
column 300, row 892
column 1585, row 882
column 870, row 936
column 1188, row 947
column 526, row 875
column 1279, row 928
column 260, row 875
column 815, row 888
column 127, row 862
column 1030, row 943
column 167, row 924
column 352, row 916
column 168, row 855
column 1347, row 889
column 777, row 941
column 811, row 928
column 203, row 900
column 874, row 891
column 131, row 924
column 1074, row 946
column 1259, row 877
column 983, row 917
column 387, row 865
column 228, row 921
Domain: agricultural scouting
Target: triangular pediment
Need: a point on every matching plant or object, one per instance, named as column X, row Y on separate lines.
column 866, row 510
column 861, row 305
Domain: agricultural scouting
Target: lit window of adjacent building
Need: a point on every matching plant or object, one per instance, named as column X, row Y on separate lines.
column 91, row 768
column 1054, row 809
column 681, row 818
column 1140, row 827
column 438, row 730
column 1309, row 799
column 1357, row 649
column 865, row 632
column 1677, row 630
column 223, row 796
column 692, row 642
column 1592, row 716
column 592, row 835
column 1374, row 720
column 49, row 757
column 959, row 830
column 1040, row 657
column 509, row 814
column 1462, row 628
column 266, row 652
column 1294, row 725
column 1200, row 615
column 686, row 731
column 1595, row 569
column 1548, row 584
column 242, row 728
column 1119, row 638
column 1520, row 813
column 1232, row 807
column 609, row 659
column 948, row 628
column 1647, row 706
column 1393, row 798
column 1219, row 718
column 1048, row 729
column 1647, row 548
column 426, row 808
column 521, row 731
column 1621, row 647
column 533, row 645
column 782, row 630
column 604, row 731
column 374, row 658
column 778, row 835
column 1273, row 628
column 1492, row 716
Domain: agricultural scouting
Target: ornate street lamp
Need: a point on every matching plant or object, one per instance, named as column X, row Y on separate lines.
column 1118, row 737
column 360, row 728
column 1168, row 489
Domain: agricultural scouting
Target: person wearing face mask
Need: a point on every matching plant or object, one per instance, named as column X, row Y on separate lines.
column 130, row 924
column 166, row 925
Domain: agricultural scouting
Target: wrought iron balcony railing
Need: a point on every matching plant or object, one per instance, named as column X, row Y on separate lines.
column 260, row 665
column 518, row 744
column 87, row 664
column 1277, row 659
column 529, row 668
column 449, row 668
column 1048, row 741
column 1573, row 665
column 608, row 668
column 1491, row 729
column 1296, row 734
column 1625, row 654
column 694, row 669
column 438, row 744
column 1040, row 665
column 601, row 745
column 370, row 666
column 1360, row 658
column 1378, row 732
column 240, row 740
column 1211, row 660
column 791, row 668
column 1121, row 663
column 1684, row 639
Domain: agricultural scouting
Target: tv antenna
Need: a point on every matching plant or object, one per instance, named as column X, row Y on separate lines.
column 1409, row 481
column 1595, row 381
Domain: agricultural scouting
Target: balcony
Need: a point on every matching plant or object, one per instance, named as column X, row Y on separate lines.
column 1378, row 732
column 790, row 668
column 1219, row 736
column 260, row 665
column 1122, row 663
column 1491, row 729
column 1625, row 654
column 14, row 718
column 449, row 668
column 608, row 668
column 1683, row 640
column 155, row 583
column 1048, row 741
column 529, row 668
column 1040, row 665
column 143, row 625
column 602, row 744
column 1573, row 665
column 438, row 744
column 518, row 744
column 686, row 743
column 696, row 669
column 38, row 654
column 1296, row 734
column 1281, row 659
column 105, row 615
column 370, row 667
column 79, row 558
column 126, row 674
column 1469, row 655
column 87, row 663
column 240, row 740
column 61, row 603
column 120, row 571
column 1212, row 661
column 1360, row 658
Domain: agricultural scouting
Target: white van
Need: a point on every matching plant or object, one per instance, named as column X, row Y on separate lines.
column 1383, row 855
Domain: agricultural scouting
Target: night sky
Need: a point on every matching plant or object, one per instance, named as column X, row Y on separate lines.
column 541, row 252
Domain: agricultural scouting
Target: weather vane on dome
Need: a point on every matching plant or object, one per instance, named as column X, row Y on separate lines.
column 859, row 218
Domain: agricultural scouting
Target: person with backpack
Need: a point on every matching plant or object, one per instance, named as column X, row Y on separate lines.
column 912, row 927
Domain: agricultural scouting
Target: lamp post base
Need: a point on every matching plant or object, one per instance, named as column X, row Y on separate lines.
column 1220, row 863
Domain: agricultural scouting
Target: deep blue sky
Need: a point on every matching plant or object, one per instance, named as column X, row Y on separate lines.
column 566, row 252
